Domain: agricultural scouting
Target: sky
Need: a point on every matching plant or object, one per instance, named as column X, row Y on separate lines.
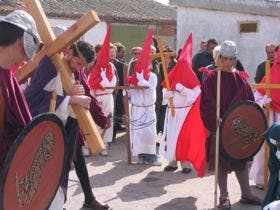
column 162, row 1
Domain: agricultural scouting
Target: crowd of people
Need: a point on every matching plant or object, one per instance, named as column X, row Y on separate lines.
column 172, row 108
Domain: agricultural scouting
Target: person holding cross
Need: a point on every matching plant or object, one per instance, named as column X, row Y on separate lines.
column 234, row 88
column 143, row 116
column 257, row 168
column 46, row 80
column 19, row 41
column 102, row 76
column 180, row 140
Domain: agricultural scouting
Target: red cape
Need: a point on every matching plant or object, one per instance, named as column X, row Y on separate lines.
column 191, row 142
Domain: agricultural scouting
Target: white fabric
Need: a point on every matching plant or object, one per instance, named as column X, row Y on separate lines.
column 55, row 85
column 257, row 168
column 275, row 205
column 106, row 102
column 58, row 200
column 143, row 119
column 173, row 125
column 64, row 110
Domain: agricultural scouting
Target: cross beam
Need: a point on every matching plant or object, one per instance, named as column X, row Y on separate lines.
column 52, row 47
column 162, row 55
column 267, row 86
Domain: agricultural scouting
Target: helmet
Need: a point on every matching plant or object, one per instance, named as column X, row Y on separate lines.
column 228, row 49
column 31, row 38
column 58, row 30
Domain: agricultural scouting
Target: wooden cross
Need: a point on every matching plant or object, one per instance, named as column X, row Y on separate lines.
column 162, row 55
column 267, row 86
column 52, row 47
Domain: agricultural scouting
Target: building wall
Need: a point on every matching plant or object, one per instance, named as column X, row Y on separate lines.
column 94, row 36
column 128, row 34
column 207, row 24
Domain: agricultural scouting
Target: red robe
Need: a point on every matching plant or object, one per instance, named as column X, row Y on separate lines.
column 16, row 112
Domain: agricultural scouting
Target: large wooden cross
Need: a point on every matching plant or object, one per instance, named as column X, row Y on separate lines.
column 53, row 48
column 267, row 86
column 162, row 55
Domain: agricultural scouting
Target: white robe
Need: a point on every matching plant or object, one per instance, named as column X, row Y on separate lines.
column 257, row 168
column 106, row 101
column 143, row 118
column 173, row 125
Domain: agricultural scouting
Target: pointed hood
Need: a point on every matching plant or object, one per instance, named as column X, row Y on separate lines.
column 182, row 71
column 143, row 63
column 102, row 62
column 274, row 79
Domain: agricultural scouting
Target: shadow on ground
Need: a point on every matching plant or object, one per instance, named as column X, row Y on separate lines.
column 179, row 204
column 151, row 186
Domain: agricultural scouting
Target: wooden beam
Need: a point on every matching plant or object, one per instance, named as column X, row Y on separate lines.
column 57, row 45
column 166, row 54
column 162, row 57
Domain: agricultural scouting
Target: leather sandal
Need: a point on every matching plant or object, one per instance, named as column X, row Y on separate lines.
column 96, row 205
column 252, row 201
column 224, row 204
column 170, row 168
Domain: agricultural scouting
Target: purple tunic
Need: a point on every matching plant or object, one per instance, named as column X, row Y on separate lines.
column 39, row 99
column 234, row 88
column 16, row 112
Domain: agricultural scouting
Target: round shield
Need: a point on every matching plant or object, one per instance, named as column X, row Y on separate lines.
column 242, row 131
column 33, row 167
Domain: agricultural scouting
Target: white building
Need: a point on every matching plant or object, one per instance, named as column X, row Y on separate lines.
column 250, row 23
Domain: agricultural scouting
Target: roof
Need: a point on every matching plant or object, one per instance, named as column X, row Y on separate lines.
column 120, row 11
column 255, row 7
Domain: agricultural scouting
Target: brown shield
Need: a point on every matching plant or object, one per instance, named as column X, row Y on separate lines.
column 242, row 131
column 33, row 168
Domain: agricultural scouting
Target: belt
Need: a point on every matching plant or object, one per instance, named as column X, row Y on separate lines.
column 180, row 107
column 102, row 94
column 142, row 105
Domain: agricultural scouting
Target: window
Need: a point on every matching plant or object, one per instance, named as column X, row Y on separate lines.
column 248, row 27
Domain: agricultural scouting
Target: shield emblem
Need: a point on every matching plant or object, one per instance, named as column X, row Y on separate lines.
column 242, row 129
column 33, row 167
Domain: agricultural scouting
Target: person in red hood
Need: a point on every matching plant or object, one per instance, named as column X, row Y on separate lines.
column 177, row 143
column 257, row 168
column 102, row 76
column 143, row 116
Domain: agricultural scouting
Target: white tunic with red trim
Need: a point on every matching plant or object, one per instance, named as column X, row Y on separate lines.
column 106, row 101
column 173, row 125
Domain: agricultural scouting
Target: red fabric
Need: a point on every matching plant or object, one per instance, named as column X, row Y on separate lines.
column 274, row 79
column 103, row 61
column 143, row 63
column 14, row 68
column 191, row 144
column 182, row 71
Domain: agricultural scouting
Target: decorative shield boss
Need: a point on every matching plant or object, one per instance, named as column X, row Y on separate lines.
column 242, row 129
column 34, row 165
